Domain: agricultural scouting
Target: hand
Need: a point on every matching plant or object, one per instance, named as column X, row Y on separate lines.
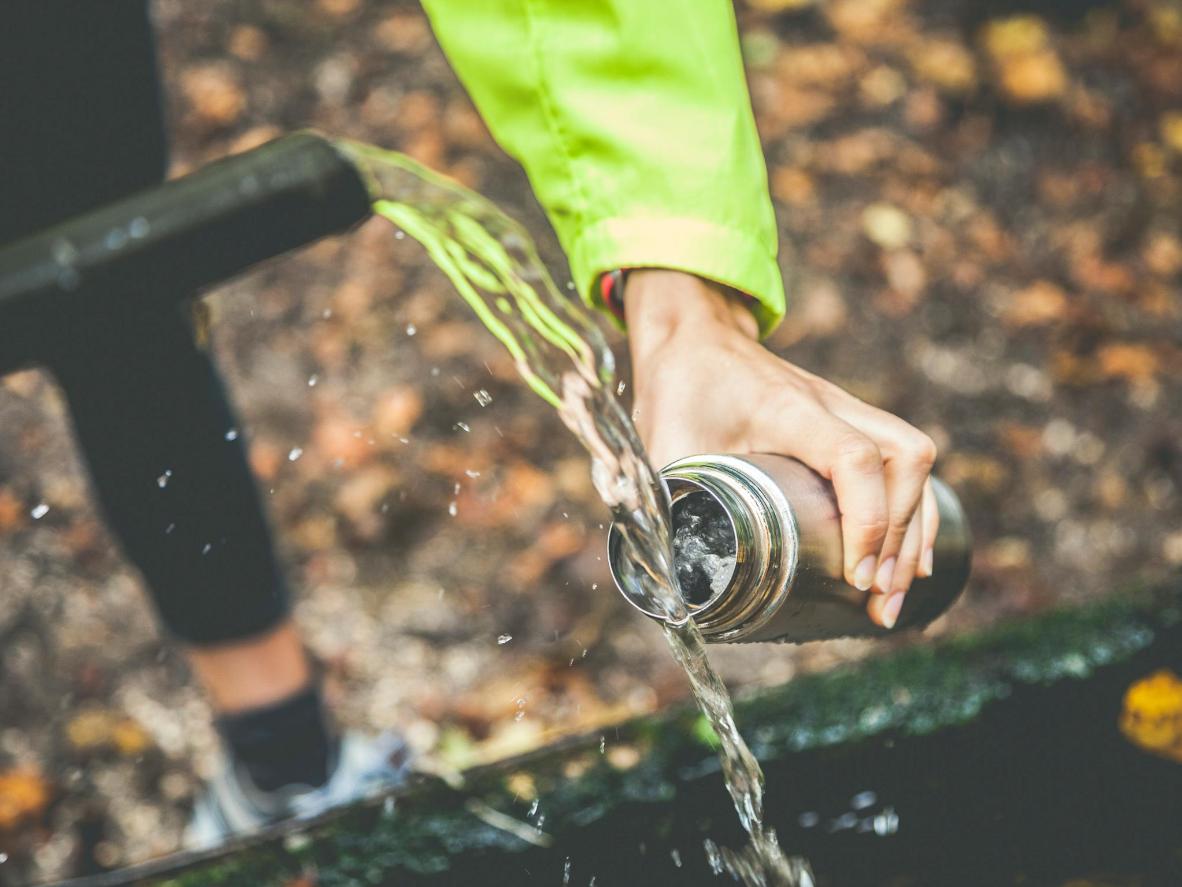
column 704, row 384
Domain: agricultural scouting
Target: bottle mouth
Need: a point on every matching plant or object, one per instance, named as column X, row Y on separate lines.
column 706, row 550
column 705, row 547
column 733, row 583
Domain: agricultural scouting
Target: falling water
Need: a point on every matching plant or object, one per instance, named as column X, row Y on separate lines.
column 562, row 356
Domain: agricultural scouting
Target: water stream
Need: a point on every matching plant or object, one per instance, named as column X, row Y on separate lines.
column 561, row 354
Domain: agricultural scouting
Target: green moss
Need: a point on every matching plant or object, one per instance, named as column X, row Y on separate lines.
column 914, row 691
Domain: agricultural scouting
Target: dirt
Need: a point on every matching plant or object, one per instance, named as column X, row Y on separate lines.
column 981, row 233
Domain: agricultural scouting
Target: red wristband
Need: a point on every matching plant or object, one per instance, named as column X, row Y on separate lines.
column 611, row 289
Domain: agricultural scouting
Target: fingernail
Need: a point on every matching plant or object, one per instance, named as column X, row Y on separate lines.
column 927, row 562
column 890, row 610
column 885, row 571
column 864, row 573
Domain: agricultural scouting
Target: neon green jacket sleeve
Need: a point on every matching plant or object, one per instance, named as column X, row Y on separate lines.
column 633, row 122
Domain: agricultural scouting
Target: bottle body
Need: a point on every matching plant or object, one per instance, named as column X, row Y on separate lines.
column 781, row 578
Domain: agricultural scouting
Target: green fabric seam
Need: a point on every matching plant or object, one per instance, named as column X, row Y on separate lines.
column 550, row 115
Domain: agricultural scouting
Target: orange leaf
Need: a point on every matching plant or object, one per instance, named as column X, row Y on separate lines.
column 24, row 795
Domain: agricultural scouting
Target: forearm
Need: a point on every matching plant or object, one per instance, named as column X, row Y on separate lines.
column 660, row 305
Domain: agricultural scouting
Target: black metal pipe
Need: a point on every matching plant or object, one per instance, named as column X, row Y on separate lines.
column 168, row 243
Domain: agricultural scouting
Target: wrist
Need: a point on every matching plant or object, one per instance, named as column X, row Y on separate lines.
column 662, row 305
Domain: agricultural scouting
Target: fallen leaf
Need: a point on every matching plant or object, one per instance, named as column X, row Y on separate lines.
column 24, row 795
column 1025, row 65
column 97, row 730
column 824, row 65
column 1163, row 254
column 214, row 95
column 1121, row 360
column 248, row 43
column 12, row 511
column 945, row 64
column 1151, row 714
column 1036, row 305
column 1171, row 130
column 793, row 186
column 974, row 469
column 886, row 225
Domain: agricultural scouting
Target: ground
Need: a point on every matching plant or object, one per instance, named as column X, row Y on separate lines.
column 979, row 207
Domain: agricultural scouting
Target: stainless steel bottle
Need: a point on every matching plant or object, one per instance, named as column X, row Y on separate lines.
column 787, row 582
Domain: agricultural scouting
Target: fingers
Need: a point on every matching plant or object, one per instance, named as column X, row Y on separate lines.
column 884, row 608
column 853, row 462
column 931, row 526
column 906, row 471
column 908, row 456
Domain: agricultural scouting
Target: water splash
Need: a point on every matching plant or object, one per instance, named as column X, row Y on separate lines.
column 561, row 354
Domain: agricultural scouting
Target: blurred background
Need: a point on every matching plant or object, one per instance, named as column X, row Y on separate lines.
column 981, row 231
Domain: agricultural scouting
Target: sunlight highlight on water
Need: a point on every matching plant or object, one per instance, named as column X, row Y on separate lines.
column 561, row 354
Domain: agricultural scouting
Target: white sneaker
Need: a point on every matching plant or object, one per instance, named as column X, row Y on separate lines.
column 232, row 805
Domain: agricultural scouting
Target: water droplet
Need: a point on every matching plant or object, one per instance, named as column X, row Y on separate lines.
column 483, row 397
column 3, row 858
column 326, row 313
column 295, row 453
column 162, row 480
column 207, row 548
column 676, row 856
column 472, row 473
column 115, row 239
column 411, row 329
column 39, row 511
column 138, row 228
column 462, row 426
column 844, row 822
column 312, row 380
column 862, row 800
column 594, row 586
column 886, row 823
column 168, row 530
column 809, row 819
column 232, row 434
column 566, row 871
column 453, row 509
column 64, row 252
column 399, row 234
column 620, row 388
column 602, row 744
column 504, row 638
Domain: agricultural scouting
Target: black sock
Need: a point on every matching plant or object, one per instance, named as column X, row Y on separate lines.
column 287, row 743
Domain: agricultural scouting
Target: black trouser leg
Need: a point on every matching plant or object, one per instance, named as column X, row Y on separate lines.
column 163, row 448
column 81, row 125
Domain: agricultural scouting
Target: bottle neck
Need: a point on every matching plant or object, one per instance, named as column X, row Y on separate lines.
column 758, row 538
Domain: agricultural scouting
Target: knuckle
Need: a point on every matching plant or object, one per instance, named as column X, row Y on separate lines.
column 858, row 453
column 871, row 525
column 900, row 519
column 923, row 450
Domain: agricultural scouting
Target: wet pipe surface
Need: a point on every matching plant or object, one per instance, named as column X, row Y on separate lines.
column 1047, row 752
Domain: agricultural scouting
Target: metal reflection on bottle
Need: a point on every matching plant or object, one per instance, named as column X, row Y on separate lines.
column 758, row 548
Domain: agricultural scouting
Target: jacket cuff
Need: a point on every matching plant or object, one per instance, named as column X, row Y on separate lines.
column 725, row 255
